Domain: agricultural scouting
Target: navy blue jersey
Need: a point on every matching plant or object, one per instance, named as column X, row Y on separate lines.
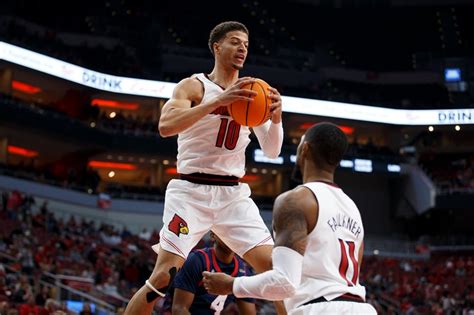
column 189, row 278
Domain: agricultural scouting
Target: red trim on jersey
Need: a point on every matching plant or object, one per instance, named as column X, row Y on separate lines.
column 344, row 264
column 218, row 268
column 207, row 77
column 214, row 260
column 208, row 263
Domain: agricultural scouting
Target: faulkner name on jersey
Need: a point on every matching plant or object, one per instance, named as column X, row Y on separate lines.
column 344, row 221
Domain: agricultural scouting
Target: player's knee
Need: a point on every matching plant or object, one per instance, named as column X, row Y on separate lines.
column 160, row 279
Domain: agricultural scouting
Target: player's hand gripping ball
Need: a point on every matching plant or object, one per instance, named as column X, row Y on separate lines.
column 253, row 113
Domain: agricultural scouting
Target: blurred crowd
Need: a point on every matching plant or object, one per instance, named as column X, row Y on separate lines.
column 38, row 242
column 111, row 264
column 443, row 284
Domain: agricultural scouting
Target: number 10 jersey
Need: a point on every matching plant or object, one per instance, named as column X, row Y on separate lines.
column 216, row 143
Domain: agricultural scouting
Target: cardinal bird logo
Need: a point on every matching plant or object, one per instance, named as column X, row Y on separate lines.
column 178, row 226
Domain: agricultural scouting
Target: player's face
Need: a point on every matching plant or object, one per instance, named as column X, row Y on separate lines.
column 233, row 49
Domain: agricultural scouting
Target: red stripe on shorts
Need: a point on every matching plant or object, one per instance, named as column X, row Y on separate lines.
column 265, row 240
column 173, row 245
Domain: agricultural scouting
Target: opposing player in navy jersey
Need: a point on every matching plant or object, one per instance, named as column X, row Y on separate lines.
column 319, row 239
column 209, row 194
column 188, row 295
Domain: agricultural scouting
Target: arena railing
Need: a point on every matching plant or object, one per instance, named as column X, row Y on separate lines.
column 66, row 292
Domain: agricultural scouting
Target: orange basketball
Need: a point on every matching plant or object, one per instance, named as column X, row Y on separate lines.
column 252, row 113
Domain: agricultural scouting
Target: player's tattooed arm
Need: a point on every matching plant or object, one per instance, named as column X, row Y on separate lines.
column 294, row 216
column 290, row 221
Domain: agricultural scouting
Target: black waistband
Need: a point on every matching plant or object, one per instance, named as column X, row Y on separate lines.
column 210, row 179
column 345, row 298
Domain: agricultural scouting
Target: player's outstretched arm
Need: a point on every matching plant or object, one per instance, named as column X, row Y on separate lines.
column 291, row 225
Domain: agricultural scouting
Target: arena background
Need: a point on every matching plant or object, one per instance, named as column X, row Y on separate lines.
column 83, row 170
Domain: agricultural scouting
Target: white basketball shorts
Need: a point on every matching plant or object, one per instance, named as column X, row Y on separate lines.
column 191, row 210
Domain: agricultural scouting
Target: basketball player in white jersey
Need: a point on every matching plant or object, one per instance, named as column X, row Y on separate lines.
column 318, row 239
column 211, row 160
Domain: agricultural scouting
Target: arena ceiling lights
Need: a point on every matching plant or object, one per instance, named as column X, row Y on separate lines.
column 159, row 89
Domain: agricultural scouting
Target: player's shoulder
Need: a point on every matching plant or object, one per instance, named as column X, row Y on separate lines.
column 198, row 253
column 191, row 82
column 195, row 257
column 203, row 254
column 298, row 200
column 189, row 87
column 299, row 194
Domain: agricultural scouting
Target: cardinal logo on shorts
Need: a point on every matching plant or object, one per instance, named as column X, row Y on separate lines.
column 178, row 225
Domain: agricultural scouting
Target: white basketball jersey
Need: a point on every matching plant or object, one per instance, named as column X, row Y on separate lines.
column 330, row 263
column 216, row 143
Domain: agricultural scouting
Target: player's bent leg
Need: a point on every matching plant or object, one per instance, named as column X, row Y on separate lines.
column 260, row 258
column 144, row 300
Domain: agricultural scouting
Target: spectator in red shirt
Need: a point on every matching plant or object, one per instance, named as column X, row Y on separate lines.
column 30, row 307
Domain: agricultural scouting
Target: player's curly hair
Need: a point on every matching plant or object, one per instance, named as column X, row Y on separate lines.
column 328, row 144
column 221, row 30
